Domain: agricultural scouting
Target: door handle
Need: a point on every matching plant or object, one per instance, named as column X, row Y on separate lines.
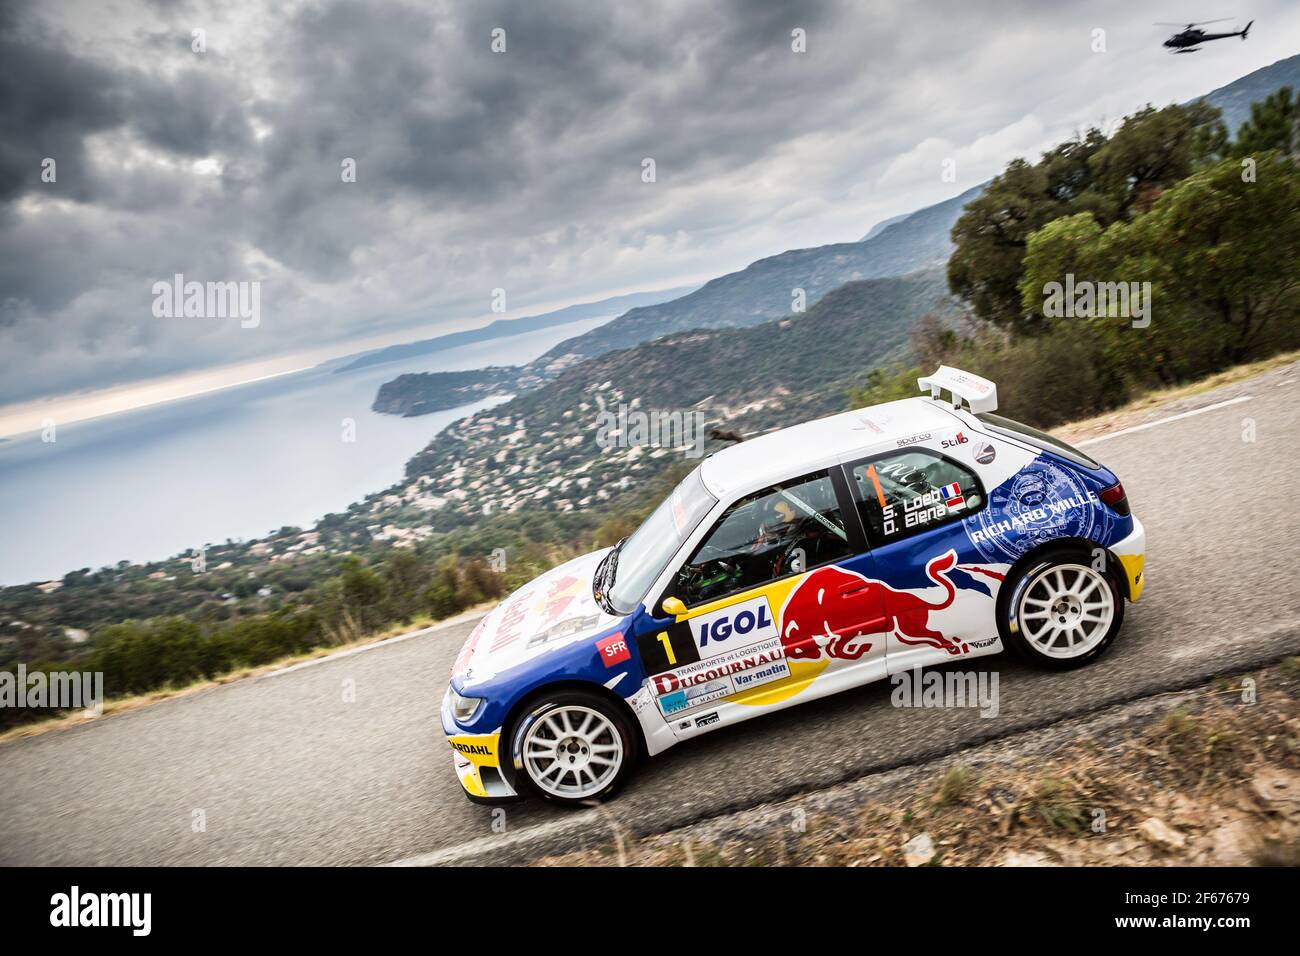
column 874, row 625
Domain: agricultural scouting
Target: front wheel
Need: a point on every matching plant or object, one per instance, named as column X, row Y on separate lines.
column 574, row 748
column 1062, row 612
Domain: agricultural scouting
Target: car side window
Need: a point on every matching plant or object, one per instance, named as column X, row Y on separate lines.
column 903, row 493
column 782, row 530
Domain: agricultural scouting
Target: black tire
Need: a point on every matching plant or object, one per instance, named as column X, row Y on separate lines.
column 1018, row 634
column 539, row 719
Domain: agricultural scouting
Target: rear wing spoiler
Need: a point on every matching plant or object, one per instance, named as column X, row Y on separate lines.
column 979, row 394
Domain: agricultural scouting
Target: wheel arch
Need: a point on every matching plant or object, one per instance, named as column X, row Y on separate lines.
column 541, row 691
column 1036, row 553
column 1018, row 578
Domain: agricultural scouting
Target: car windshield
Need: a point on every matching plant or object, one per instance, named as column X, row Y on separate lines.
column 644, row 555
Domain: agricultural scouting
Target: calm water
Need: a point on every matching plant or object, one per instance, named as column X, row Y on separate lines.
column 239, row 463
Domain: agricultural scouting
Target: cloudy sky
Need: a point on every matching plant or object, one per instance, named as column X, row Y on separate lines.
column 519, row 170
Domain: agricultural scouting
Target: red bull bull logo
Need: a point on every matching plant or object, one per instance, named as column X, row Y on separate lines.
column 834, row 611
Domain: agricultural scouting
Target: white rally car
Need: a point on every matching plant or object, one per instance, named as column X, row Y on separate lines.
column 792, row 566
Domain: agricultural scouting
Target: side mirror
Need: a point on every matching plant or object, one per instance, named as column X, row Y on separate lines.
column 673, row 606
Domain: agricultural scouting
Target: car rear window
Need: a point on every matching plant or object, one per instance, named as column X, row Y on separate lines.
column 1015, row 429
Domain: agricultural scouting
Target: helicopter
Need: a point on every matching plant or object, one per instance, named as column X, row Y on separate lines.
column 1190, row 39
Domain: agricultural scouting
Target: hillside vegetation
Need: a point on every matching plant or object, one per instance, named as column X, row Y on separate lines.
column 419, row 393
column 540, row 449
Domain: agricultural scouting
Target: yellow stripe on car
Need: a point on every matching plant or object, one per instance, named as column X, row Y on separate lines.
column 1133, row 565
column 478, row 749
column 471, row 781
column 802, row 673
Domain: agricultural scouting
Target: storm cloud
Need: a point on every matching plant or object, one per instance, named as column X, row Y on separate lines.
column 478, row 170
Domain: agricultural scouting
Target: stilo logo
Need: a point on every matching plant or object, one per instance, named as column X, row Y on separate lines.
column 958, row 439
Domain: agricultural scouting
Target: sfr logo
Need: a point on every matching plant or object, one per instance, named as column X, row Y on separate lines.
column 613, row 650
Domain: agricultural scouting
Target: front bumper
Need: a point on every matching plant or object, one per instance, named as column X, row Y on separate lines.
column 477, row 760
column 1132, row 554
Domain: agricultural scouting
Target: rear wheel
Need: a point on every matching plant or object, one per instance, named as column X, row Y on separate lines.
column 574, row 748
column 1061, row 611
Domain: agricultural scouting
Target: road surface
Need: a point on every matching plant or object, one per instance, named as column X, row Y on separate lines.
column 282, row 770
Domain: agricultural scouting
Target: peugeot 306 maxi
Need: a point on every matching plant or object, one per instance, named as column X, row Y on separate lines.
column 792, row 566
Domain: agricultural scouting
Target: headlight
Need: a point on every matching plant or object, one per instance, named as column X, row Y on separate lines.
column 462, row 708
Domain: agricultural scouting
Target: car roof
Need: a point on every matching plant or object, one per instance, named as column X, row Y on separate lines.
column 789, row 452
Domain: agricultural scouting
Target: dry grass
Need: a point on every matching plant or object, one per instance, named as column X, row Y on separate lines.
column 1142, row 406
column 956, row 786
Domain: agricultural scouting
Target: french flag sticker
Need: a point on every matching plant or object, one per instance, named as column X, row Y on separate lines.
column 952, row 495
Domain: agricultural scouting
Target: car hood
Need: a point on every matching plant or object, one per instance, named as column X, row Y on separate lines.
column 552, row 611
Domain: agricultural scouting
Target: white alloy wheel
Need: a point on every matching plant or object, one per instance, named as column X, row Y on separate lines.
column 572, row 752
column 1066, row 610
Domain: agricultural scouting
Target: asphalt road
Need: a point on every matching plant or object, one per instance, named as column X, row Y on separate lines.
column 284, row 771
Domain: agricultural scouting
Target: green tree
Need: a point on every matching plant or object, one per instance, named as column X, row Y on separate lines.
column 1222, row 254
column 991, row 233
column 1151, row 151
column 1274, row 124
column 479, row 583
column 887, row 384
column 361, row 591
column 1112, row 179
column 441, row 594
column 405, row 578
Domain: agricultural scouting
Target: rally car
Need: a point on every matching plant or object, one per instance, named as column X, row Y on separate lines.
column 792, row 566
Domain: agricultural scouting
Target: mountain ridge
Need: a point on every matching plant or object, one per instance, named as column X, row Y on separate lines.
column 764, row 289
column 500, row 328
column 1234, row 98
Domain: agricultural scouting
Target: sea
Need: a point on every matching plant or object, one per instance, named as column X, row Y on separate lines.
column 232, row 464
